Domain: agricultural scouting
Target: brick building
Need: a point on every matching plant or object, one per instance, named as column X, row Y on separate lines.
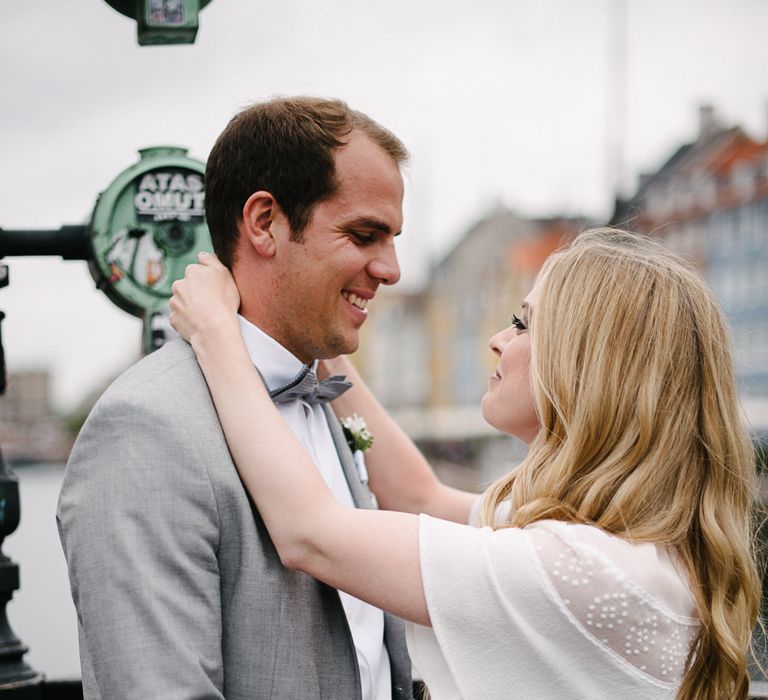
column 30, row 431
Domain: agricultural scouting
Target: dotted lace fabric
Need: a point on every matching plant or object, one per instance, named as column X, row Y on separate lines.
column 613, row 610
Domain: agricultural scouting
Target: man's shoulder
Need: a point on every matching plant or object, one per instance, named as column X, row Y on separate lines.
column 175, row 358
column 162, row 397
column 168, row 374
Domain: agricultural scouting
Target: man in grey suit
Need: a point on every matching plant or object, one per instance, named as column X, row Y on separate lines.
column 178, row 588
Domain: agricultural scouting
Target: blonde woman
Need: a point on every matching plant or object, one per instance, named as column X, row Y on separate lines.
column 614, row 562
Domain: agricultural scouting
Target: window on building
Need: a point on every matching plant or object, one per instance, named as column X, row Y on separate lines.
column 743, row 179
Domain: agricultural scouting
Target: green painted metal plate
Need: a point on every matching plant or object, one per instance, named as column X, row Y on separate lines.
column 147, row 226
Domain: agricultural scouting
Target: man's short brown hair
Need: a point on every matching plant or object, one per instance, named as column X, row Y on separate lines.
column 284, row 146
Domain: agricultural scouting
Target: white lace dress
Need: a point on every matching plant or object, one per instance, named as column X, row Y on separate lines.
column 554, row 610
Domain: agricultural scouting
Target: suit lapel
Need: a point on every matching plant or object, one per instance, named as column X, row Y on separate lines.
column 394, row 630
column 361, row 495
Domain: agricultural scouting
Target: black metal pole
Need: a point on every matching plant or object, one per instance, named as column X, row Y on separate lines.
column 17, row 679
column 71, row 242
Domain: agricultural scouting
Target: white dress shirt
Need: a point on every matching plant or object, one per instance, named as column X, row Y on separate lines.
column 308, row 422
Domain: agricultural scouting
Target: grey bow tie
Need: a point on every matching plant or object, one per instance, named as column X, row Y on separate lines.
column 306, row 387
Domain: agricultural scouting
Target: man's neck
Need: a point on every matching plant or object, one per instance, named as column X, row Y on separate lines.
column 275, row 362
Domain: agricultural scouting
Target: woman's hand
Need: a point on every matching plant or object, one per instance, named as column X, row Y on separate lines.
column 205, row 300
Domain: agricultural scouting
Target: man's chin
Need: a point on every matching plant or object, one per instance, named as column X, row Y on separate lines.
column 348, row 348
column 350, row 341
column 340, row 346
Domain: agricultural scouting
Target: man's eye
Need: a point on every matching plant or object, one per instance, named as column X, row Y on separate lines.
column 519, row 323
column 361, row 238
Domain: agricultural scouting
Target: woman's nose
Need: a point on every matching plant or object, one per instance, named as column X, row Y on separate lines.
column 498, row 342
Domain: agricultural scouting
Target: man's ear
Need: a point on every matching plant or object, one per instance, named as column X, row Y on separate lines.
column 259, row 212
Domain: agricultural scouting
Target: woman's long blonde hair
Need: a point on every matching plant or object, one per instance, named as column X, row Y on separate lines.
column 632, row 379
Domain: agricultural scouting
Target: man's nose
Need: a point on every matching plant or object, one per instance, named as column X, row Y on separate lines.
column 384, row 265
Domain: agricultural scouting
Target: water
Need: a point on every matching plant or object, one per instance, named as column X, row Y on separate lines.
column 41, row 613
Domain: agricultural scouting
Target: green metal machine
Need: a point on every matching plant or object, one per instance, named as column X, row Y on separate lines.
column 147, row 226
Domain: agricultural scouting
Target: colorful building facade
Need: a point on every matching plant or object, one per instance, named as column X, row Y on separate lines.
column 709, row 202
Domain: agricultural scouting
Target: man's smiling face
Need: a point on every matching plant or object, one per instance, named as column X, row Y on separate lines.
column 323, row 284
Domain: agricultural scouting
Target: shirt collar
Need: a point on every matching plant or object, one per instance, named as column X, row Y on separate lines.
column 277, row 365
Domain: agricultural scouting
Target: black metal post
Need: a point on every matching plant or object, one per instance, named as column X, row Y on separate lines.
column 17, row 679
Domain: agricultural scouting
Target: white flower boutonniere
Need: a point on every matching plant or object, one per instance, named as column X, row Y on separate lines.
column 357, row 433
column 359, row 439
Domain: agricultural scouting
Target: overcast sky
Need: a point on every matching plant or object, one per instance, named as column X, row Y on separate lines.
column 498, row 101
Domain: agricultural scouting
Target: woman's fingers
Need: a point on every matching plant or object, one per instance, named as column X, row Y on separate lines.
column 206, row 295
column 210, row 260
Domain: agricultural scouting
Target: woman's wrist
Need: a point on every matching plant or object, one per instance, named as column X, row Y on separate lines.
column 215, row 333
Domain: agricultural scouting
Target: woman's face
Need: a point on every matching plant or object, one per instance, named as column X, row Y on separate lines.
column 507, row 405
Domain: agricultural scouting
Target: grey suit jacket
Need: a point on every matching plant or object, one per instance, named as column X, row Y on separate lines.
column 179, row 590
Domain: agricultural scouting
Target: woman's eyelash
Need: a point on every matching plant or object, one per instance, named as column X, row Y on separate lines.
column 518, row 323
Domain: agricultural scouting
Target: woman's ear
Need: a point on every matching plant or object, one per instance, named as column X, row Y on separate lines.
column 259, row 212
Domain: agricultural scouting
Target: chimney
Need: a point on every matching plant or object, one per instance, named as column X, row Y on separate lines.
column 708, row 124
column 643, row 179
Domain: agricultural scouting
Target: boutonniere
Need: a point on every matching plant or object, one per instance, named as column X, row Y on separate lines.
column 356, row 431
column 359, row 439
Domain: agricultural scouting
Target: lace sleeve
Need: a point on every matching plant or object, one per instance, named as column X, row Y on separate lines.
column 615, row 592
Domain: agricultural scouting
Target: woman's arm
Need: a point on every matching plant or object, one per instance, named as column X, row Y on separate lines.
column 373, row 555
column 399, row 474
